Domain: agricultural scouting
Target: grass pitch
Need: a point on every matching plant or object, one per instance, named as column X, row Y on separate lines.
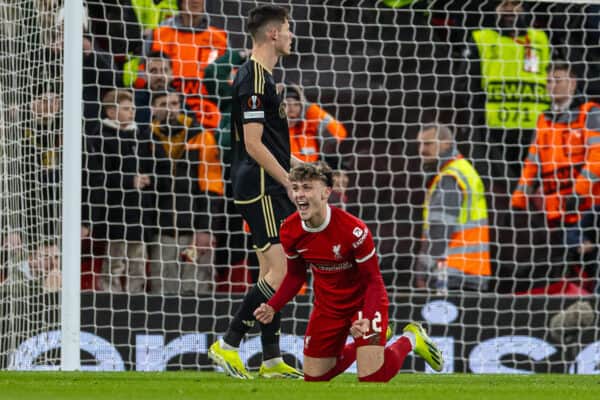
column 203, row 385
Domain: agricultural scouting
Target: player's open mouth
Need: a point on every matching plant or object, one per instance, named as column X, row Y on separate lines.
column 302, row 205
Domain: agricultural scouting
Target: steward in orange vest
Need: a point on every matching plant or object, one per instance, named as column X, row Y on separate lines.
column 310, row 126
column 191, row 44
column 563, row 164
column 455, row 248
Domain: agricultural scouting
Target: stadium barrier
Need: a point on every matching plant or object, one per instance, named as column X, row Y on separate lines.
column 477, row 334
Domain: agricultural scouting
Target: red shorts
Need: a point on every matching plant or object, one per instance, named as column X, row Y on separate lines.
column 326, row 335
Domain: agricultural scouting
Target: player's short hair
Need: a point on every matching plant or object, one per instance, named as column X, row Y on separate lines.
column 312, row 171
column 116, row 96
column 263, row 15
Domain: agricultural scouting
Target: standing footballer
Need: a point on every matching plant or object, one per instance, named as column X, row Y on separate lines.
column 349, row 292
column 259, row 173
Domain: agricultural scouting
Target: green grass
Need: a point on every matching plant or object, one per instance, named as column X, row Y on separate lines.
column 190, row 385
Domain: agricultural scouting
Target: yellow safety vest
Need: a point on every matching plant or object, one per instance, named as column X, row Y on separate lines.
column 468, row 251
column 513, row 75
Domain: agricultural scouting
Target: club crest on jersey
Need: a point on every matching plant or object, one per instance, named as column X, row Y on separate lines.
column 282, row 112
column 337, row 251
column 254, row 102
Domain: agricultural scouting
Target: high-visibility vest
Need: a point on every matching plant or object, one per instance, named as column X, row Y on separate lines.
column 468, row 252
column 190, row 51
column 150, row 13
column 397, row 3
column 210, row 170
column 513, row 76
column 305, row 136
column 563, row 160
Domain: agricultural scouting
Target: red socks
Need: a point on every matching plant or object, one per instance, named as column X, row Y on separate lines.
column 394, row 356
column 344, row 361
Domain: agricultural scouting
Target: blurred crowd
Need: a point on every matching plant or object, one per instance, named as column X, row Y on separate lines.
column 518, row 148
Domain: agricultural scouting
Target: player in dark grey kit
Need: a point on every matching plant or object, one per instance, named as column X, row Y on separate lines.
column 259, row 173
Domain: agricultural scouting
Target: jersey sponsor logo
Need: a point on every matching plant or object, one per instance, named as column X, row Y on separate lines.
column 254, row 102
column 357, row 232
column 333, row 267
column 337, row 251
column 362, row 239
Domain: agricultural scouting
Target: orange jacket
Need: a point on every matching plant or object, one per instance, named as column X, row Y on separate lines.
column 210, row 171
column 190, row 51
column 306, row 135
column 563, row 161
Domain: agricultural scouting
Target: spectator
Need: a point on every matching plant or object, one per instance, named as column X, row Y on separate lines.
column 41, row 268
column 149, row 14
column 315, row 135
column 191, row 44
column 218, row 82
column 504, row 91
column 159, row 77
column 563, row 164
column 100, row 73
column 455, row 249
column 123, row 167
column 182, row 249
column 11, row 251
column 42, row 143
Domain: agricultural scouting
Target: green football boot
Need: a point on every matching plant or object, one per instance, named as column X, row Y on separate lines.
column 229, row 360
column 281, row 370
column 424, row 346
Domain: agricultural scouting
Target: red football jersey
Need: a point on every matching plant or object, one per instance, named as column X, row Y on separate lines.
column 334, row 252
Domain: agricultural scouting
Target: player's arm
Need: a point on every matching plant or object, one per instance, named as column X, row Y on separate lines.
column 368, row 266
column 291, row 285
column 375, row 288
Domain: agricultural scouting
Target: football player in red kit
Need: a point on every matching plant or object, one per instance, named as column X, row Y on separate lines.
column 350, row 295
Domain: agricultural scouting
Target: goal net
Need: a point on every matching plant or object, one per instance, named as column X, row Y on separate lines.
column 166, row 258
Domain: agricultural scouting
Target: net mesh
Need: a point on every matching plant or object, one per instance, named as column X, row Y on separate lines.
column 165, row 256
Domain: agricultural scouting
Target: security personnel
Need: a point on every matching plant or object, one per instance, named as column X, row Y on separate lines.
column 506, row 71
column 455, row 246
column 191, row 44
column 563, row 163
column 312, row 129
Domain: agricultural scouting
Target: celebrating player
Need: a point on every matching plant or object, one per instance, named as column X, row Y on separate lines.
column 259, row 173
column 349, row 290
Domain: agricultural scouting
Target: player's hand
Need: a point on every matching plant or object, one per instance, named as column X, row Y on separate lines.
column 264, row 313
column 360, row 327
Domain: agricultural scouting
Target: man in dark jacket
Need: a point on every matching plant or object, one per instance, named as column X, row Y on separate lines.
column 182, row 249
column 125, row 161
